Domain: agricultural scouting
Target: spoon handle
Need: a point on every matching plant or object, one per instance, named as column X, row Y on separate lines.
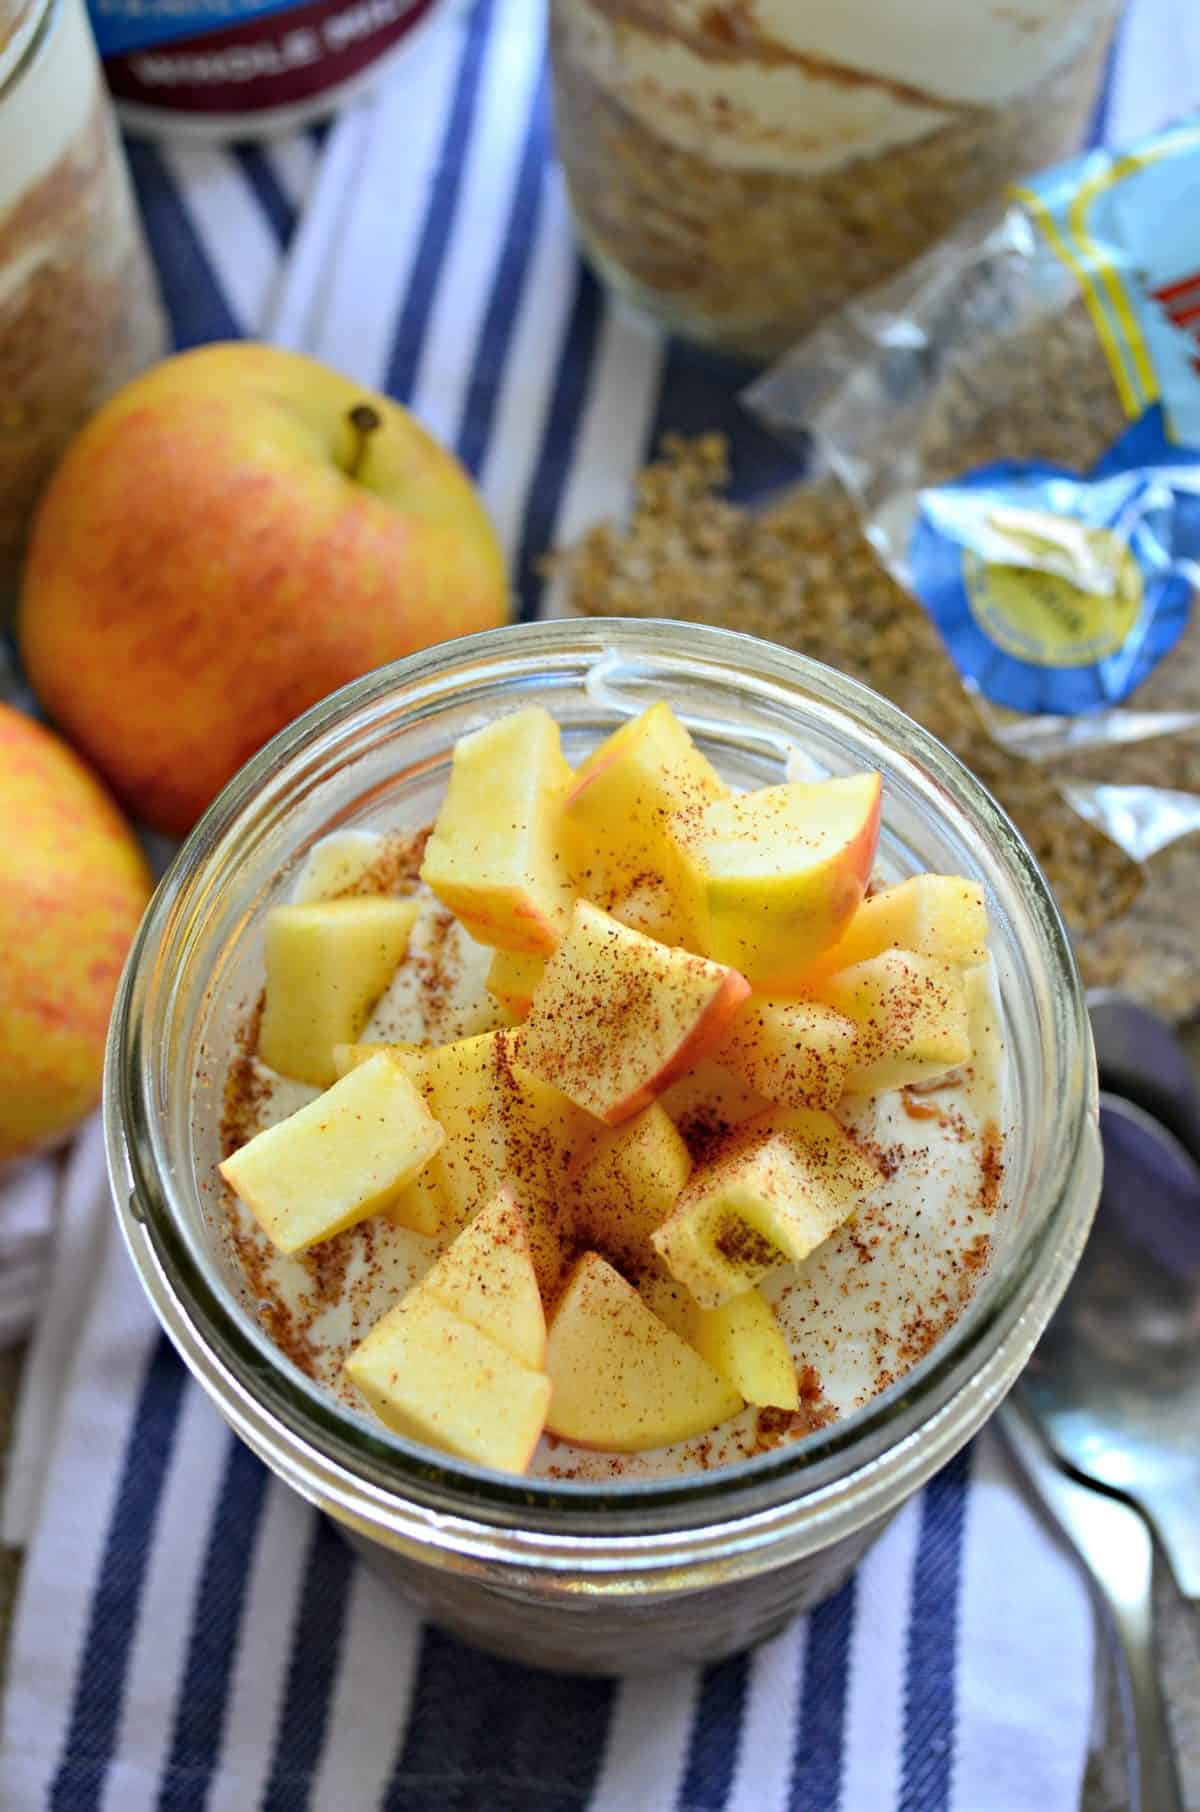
column 1115, row 1548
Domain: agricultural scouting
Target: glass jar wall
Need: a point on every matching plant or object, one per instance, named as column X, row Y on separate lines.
column 739, row 169
column 591, row 1576
column 79, row 310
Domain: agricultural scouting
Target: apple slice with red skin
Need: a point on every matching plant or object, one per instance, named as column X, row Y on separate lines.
column 617, row 1016
column 616, row 811
column 943, row 916
column 494, row 856
column 772, row 878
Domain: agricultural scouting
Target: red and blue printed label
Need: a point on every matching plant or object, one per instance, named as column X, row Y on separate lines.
column 243, row 56
column 1055, row 591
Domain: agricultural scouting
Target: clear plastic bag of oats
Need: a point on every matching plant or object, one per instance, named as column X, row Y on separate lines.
column 1018, row 419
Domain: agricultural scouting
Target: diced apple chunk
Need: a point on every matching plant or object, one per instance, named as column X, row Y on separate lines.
column 621, row 1379
column 742, row 1340
column 794, row 1052
column 910, row 1015
column 943, row 916
column 420, row 1205
column 744, row 1343
column 347, row 1057
column 652, row 908
column 773, row 878
column 775, row 1191
column 503, row 1124
column 339, row 862
column 326, row 966
column 616, row 813
column 663, row 1296
column 617, row 1016
column 437, row 1379
column 708, row 1102
column 512, row 978
column 486, row 1275
column 627, row 1180
column 344, row 1156
column 495, row 856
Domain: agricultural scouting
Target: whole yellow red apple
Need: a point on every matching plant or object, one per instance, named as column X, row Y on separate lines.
column 235, row 534
column 73, row 886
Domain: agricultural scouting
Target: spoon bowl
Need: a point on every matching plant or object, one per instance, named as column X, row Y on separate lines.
column 1115, row 1380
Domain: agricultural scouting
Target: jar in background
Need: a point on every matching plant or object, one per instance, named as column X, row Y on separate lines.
column 221, row 69
column 739, row 168
column 625, row 1575
column 79, row 308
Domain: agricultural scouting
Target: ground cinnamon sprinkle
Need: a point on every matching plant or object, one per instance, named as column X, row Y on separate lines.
column 991, row 1167
column 743, row 1246
column 703, row 1131
column 975, row 1256
column 436, row 968
column 918, row 1109
column 888, row 1266
column 886, row 1158
column 775, row 1426
column 394, row 870
column 327, row 1264
column 247, row 1088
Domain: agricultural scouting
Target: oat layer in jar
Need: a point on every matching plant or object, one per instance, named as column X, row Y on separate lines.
column 740, row 168
column 79, row 311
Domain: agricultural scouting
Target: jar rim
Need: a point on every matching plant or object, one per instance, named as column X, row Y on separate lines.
column 20, row 50
column 363, row 1473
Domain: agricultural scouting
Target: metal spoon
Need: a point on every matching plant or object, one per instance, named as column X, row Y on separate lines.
column 1114, row 1387
column 1115, row 1381
column 1115, row 1546
column 1140, row 1058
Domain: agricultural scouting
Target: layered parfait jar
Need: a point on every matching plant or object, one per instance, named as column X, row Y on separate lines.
column 599, row 1574
column 739, row 169
column 79, row 306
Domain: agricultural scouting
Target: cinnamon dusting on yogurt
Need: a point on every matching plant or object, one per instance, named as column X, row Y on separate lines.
column 861, row 1311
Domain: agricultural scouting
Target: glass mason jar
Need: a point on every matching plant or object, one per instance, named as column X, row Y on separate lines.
column 586, row 1577
column 739, row 169
column 79, row 309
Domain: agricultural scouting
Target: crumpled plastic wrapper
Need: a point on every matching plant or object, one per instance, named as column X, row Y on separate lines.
column 801, row 572
column 1039, row 502
column 983, row 363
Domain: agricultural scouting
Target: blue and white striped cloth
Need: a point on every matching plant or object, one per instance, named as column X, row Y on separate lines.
column 190, row 1636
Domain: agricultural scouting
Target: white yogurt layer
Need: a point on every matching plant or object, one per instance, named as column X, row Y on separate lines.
column 44, row 115
column 858, row 1313
column 813, row 86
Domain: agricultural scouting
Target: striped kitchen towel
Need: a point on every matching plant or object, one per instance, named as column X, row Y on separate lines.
column 192, row 1637
column 189, row 1634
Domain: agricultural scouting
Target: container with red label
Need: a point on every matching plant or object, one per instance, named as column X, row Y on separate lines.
column 246, row 68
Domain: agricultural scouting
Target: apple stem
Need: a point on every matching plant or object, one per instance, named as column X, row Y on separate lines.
column 364, row 419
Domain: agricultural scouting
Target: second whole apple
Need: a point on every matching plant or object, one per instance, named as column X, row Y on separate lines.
column 73, row 886
column 235, row 534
